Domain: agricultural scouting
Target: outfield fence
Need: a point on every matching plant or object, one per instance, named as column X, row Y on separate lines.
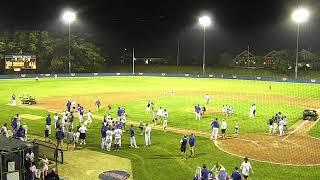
column 223, row 76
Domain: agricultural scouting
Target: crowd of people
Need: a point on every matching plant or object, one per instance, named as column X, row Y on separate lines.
column 218, row 172
column 112, row 131
column 279, row 121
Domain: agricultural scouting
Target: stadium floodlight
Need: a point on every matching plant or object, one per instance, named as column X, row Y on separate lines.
column 204, row 21
column 68, row 17
column 299, row 15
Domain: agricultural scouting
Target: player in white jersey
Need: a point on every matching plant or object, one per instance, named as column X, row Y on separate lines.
column 147, row 135
column 281, row 127
column 252, row 112
column 148, row 106
column 109, row 138
column 63, row 121
column 89, row 119
column 165, row 119
column 56, row 120
column 117, row 139
column 160, row 114
column 207, row 98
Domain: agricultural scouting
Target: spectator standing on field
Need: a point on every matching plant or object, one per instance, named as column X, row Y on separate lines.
column 69, row 138
column 4, row 130
column 59, row 137
column 206, row 173
column 236, row 174
column 215, row 129
column 141, row 128
column 223, row 128
column 48, row 123
column 68, row 105
column 192, row 141
column 183, row 147
column 83, row 131
column 246, row 168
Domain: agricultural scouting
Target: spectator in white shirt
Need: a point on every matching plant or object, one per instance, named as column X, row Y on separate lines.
column 246, row 168
column 83, row 131
column 223, row 128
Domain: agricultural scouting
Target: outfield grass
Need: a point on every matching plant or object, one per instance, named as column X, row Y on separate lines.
column 162, row 159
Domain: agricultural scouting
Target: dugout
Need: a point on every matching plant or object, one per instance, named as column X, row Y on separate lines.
column 12, row 157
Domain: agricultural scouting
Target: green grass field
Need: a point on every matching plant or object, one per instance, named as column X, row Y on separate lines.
column 163, row 159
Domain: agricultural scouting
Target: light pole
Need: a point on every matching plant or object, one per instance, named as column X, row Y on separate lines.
column 299, row 15
column 204, row 21
column 68, row 17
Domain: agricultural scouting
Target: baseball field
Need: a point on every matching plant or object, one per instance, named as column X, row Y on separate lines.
column 292, row 156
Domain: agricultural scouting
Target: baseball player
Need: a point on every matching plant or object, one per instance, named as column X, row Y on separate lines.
column 215, row 129
column 80, row 111
column 183, row 147
column 48, row 124
column 281, row 127
column 160, row 114
column 89, row 119
column 252, row 112
column 117, row 139
column 270, row 123
column 56, row 120
column 141, row 128
column 68, row 105
column 207, row 98
column 98, row 103
column 147, row 135
column 148, row 106
column 74, row 104
column 275, row 123
column 165, row 119
column 63, row 121
column 133, row 143
column 236, row 129
column 123, row 122
column 109, row 135
column 103, row 137
column 13, row 99
column 285, row 119
column 197, row 111
column 119, row 113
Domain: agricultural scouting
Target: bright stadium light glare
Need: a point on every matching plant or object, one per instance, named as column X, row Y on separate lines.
column 300, row 15
column 69, row 16
column 205, row 21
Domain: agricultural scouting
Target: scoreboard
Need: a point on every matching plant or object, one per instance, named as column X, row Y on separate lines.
column 20, row 61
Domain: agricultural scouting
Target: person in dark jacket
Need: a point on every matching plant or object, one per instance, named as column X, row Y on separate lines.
column 59, row 137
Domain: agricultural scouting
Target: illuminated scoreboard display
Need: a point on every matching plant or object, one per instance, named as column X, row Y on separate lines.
column 19, row 61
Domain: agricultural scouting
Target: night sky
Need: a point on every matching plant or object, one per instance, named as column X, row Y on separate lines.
column 153, row 27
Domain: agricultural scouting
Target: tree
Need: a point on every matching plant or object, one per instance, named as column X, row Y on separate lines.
column 51, row 50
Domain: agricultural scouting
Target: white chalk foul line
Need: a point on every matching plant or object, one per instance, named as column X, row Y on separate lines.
column 300, row 126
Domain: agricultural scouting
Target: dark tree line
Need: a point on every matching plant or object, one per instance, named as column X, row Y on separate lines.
column 51, row 50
